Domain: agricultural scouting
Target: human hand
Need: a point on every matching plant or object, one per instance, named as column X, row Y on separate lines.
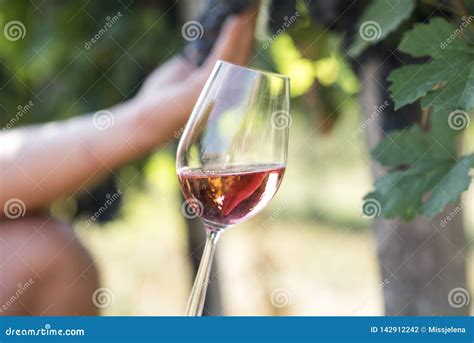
column 82, row 151
column 169, row 93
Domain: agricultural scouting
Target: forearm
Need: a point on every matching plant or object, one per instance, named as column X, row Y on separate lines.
column 41, row 163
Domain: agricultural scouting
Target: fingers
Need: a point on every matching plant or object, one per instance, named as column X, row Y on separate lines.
column 235, row 42
column 234, row 45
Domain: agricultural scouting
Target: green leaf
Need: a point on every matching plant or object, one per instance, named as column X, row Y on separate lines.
column 401, row 193
column 442, row 136
column 431, row 157
column 458, row 92
column 411, row 82
column 433, row 176
column 447, row 80
column 380, row 18
column 409, row 146
column 430, row 39
column 402, row 147
column 447, row 191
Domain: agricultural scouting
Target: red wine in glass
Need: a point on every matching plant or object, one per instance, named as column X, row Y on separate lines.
column 228, row 196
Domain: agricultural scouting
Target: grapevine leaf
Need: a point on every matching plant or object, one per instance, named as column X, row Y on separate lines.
column 429, row 39
column 411, row 82
column 447, row 80
column 445, row 83
column 433, row 176
column 431, row 156
column 409, row 146
column 442, row 136
column 457, row 94
column 401, row 193
column 447, row 191
column 402, row 147
column 380, row 18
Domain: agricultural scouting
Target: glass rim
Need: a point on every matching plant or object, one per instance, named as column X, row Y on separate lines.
column 254, row 70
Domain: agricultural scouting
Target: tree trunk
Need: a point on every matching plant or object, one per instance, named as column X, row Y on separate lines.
column 422, row 262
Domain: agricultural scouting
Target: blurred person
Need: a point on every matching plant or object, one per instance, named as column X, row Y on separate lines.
column 40, row 255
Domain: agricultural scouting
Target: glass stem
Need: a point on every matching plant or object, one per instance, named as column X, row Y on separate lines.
column 198, row 293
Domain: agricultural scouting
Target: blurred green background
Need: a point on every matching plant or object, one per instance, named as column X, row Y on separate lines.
column 311, row 244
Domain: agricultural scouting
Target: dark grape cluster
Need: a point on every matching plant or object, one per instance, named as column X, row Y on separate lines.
column 212, row 19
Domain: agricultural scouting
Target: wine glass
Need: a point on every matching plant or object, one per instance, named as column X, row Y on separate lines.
column 232, row 155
